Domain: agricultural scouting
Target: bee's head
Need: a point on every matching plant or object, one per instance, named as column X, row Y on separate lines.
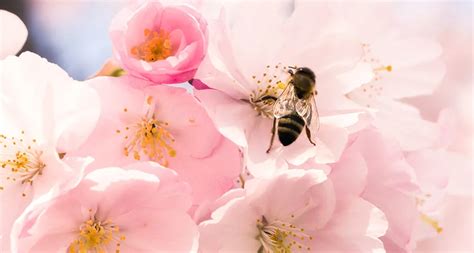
column 307, row 72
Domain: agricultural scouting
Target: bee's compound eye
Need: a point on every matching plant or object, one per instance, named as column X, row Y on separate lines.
column 306, row 71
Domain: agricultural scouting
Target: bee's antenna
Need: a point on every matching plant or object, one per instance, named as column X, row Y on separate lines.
column 292, row 67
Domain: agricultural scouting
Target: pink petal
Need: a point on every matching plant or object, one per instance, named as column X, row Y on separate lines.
column 349, row 174
column 158, row 231
column 143, row 205
column 413, row 81
column 457, row 228
column 289, row 184
column 231, row 116
column 67, row 118
column 204, row 211
column 408, row 127
column 390, row 185
column 213, row 175
column 214, row 74
column 235, row 226
column 407, row 52
column 188, row 31
column 355, row 228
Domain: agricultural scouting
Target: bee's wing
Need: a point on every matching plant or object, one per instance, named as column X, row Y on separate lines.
column 315, row 120
column 308, row 110
column 285, row 104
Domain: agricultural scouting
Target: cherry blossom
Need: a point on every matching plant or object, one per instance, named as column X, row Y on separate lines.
column 162, row 124
column 249, row 62
column 163, row 43
column 44, row 114
column 295, row 211
column 139, row 209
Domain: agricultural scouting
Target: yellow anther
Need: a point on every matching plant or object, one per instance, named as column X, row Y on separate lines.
column 95, row 236
column 432, row 222
column 149, row 138
column 274, row 236
column 18, row 162
column 281, row 85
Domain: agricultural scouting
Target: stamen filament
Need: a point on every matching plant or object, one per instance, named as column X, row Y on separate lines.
column 19, row 162
column 269, row 88
column 96, row 236
column 149, row 138
column 281, row 237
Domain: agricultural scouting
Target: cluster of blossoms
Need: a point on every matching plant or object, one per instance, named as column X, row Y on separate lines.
column 126, row 162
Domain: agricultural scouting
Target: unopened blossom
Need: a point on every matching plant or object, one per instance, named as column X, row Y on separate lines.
column 44, row 114
column 14, row 34
column 166, row 125
column 248, row 66
column 160, row 42
column 139, row 209
column 296, row 211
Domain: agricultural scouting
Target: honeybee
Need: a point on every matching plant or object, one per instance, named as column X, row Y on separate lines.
column 295, row 108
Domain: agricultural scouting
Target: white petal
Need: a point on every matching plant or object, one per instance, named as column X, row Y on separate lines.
column 13, row 34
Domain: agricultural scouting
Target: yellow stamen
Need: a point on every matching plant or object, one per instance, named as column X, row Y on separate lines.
column 95, row 236
column 269, row 88
column 280, row 237
column 157, row 46
column 384, row 68
column 149, row 138
column 281, row 85
column 19, row 162
column 432, row 222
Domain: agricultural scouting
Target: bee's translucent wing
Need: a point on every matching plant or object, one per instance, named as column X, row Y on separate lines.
column 285, row 104
column 308, row 110
column 315, row 119
column 304, row 109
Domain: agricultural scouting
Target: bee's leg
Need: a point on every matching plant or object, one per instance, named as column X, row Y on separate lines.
column 308, row 133
column 273, row 135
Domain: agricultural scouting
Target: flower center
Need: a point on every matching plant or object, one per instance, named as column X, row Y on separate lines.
column 367, row 94
column 281, row 237
column 19, row 162
column 269, row 88
column 96, row 236
column 149, row 137
column 157, row 46
column 379, row 69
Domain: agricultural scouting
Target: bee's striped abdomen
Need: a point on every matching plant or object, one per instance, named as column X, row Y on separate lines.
column 289, row 128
